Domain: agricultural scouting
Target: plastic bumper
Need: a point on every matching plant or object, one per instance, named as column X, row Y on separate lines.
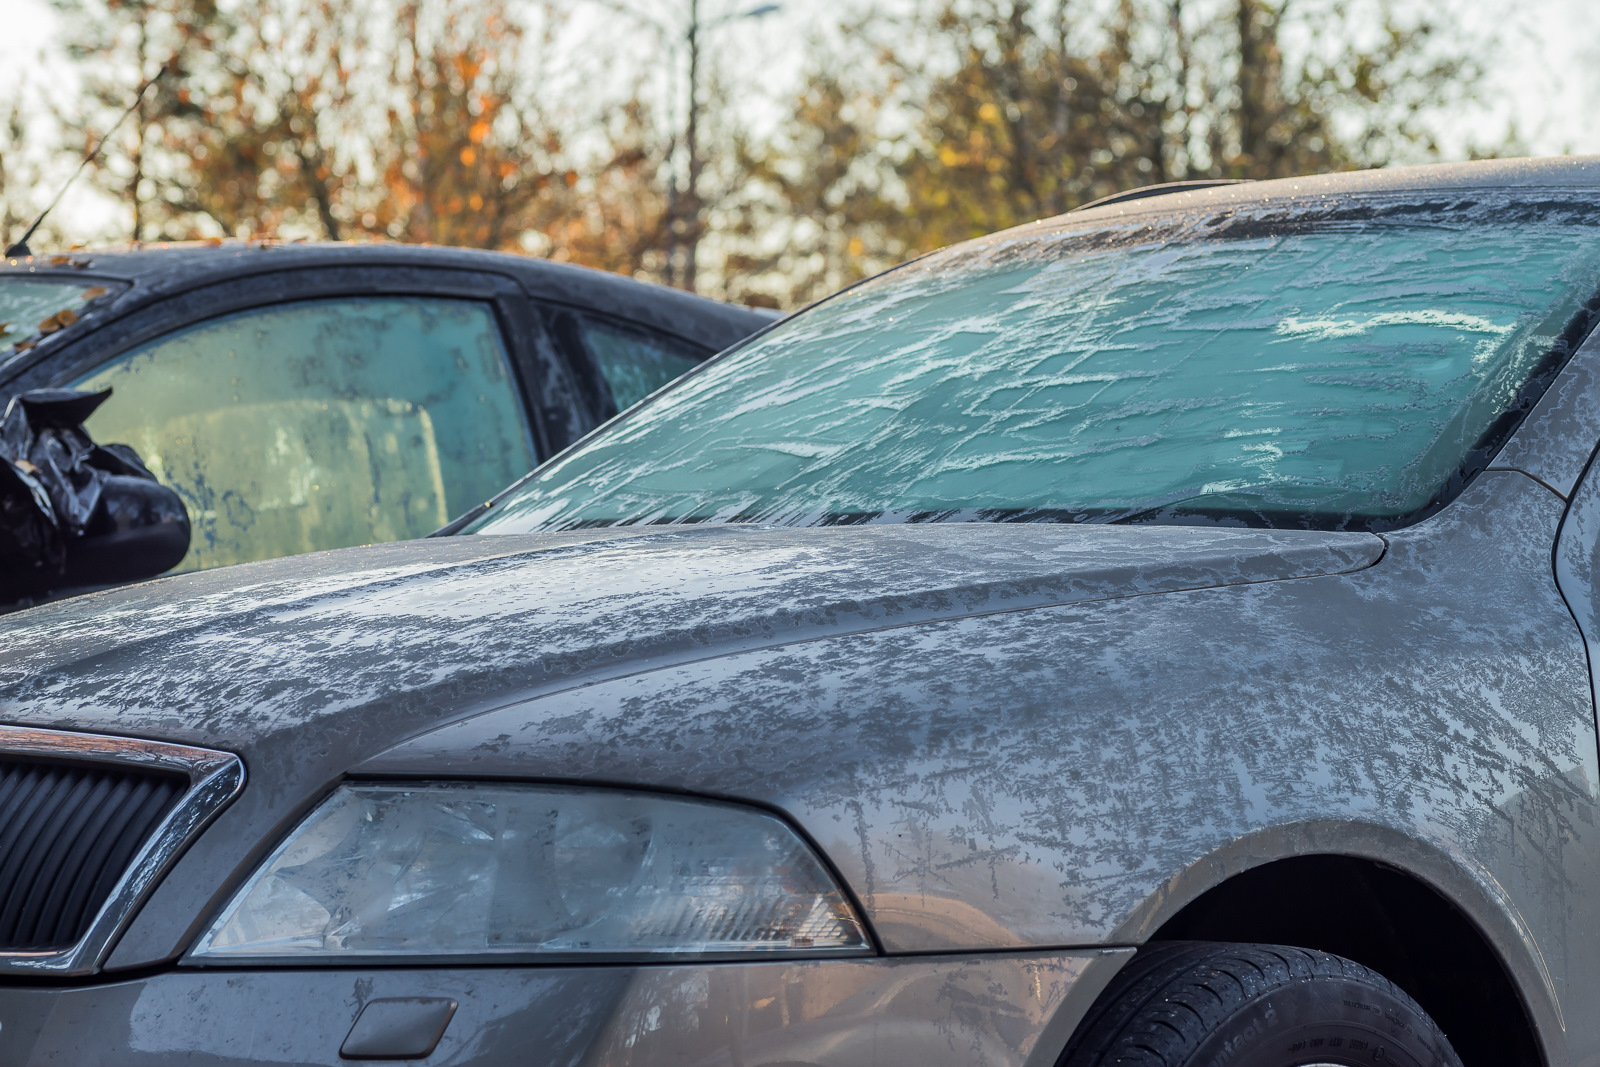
column 994, row 1010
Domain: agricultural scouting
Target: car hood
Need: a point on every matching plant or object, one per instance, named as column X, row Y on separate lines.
column 309, row 667
column 440, row 628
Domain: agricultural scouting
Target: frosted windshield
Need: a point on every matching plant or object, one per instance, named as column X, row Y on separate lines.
column 1331, row 372
column 33, row 306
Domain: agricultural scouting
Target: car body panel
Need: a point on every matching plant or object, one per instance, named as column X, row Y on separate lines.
column 570, row 608
column 993, row 1011
column 1560, row 432
column 1577, row 561
column 1022, row 803
column 152, row 275
column 1075, row 775
column 1580, row 173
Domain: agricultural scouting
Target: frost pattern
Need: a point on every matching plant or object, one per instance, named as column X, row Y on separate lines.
column 1325, row 368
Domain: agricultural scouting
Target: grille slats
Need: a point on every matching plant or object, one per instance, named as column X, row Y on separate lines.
column 38, row 796
column 43, row 911
column 67, row 834
column 40, row 882
column 73, row 913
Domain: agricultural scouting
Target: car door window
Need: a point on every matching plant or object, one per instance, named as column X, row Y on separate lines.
column 633, row 362
column 321, row 423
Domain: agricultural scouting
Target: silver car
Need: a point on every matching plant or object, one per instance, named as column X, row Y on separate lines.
column 1157, row 635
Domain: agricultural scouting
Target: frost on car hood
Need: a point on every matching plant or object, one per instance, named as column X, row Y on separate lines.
column 227, row 657
column 308, row 666
column 1291, row 365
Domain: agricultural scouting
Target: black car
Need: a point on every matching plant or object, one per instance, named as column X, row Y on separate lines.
column 309, row 396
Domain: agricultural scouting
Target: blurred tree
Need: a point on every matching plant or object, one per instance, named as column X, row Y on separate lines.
column 970, row 116
column 1025, row 125
column 618, row 211
column 377, row 118
column 16, row 198
column 464, row 162
column 413, row 120
column 23, row 190
column 270, row 155
column 1362, row 95
column 119, row 45
column 817, row 209
column 410, row 120
column 463, row 122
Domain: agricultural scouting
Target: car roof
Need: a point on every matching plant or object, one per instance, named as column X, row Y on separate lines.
column 1566, row 173
column 154, row 272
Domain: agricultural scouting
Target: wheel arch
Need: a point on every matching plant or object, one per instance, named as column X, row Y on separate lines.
column 1437, row 925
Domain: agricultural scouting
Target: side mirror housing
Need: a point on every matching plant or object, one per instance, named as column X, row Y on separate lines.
column 75, row 514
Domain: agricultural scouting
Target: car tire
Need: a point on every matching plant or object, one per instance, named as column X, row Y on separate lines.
column 1209, row 1005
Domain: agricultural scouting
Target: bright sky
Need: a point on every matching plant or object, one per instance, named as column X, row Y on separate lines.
column 1545, row 55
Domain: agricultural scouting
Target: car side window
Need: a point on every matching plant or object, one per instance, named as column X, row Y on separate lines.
column 321, row 423
column 633, row 362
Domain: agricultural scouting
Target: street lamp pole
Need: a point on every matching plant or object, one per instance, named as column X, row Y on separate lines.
column 691, row 142
column 687, row 229
column 683, row 204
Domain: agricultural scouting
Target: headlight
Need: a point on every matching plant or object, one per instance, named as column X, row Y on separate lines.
column 473, row 870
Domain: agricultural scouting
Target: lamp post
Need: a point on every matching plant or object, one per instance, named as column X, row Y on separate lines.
column 683, row 205
column 688, row 227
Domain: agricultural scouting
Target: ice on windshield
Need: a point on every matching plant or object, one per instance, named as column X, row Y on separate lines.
column 1341, row 371
column 29, row 307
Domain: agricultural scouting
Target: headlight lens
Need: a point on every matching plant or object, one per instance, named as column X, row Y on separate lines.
column 469, row 870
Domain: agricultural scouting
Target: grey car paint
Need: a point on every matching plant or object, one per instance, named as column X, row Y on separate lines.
column 1005, row 1011
column 1023, row 747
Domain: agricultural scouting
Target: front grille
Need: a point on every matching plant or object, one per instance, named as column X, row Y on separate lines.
column 68, row 833
column 89, row 823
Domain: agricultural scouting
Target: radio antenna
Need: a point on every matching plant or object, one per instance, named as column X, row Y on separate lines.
column 20, row 248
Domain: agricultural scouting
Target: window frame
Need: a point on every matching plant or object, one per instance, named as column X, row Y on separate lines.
column 521, row 332
column 564, row 325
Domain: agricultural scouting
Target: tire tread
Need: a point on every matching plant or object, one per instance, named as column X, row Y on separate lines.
column 1172, row 996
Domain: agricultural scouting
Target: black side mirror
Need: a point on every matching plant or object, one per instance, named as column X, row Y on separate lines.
column 74, row 514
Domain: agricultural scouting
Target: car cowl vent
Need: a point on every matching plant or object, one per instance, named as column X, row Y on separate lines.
column 67, row 835
column 88, row 824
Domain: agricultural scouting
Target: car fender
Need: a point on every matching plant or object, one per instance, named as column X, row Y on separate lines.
column 1464, row 884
